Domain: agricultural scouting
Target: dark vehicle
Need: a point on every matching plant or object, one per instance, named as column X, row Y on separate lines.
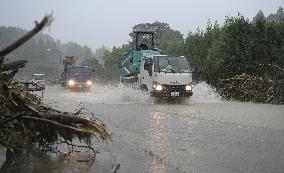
column 75, row 76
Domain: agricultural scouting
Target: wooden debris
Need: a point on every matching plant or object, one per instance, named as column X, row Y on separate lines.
column 251, row 88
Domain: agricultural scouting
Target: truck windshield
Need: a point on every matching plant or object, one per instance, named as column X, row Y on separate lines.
column 39, row 77
column 79, row 70
column 171, row 65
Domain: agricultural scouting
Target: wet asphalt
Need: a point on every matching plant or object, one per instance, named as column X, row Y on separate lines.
column 202, row 134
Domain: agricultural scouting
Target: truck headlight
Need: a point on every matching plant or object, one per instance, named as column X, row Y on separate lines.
column 157, row 86
column 188, row 87
column 71, row 83
column 89, row 83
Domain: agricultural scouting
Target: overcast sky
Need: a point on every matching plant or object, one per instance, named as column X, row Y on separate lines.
column 108, row 22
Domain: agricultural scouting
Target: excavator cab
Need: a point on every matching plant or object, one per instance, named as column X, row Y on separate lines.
column 143, row 46
column 144, row 39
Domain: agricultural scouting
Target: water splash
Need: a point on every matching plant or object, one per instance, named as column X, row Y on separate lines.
column 121, row 94
column 204, row 93
column 108, row 94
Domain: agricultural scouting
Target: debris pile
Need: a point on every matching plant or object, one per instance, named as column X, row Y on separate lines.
column 250, row 88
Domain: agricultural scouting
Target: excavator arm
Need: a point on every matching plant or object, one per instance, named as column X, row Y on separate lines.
column 124, row 72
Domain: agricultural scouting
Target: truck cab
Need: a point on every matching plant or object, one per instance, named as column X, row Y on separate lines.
column 75, row 76
column 166, row 76
column 78, row 76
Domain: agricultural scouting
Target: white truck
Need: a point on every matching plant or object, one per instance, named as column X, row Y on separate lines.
column 165, row 76
column 38, row 82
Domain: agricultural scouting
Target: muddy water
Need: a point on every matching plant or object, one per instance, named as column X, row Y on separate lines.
column 201, row 134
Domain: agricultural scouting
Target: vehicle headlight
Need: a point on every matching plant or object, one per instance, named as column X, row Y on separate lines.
column 71, row 83
column 157, row 86
column 188, row 87
column 89, row 83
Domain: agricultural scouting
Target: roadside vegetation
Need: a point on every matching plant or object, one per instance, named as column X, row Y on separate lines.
column 242, row 59
column 27, row 125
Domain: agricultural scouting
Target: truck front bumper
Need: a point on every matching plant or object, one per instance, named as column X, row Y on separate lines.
column 172, row 91
column 79, row 85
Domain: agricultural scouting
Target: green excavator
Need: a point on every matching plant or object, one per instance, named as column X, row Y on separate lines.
column 161, row 75
column 143, row 46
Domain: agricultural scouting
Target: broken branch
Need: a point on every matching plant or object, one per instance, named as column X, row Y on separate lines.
column 59, row 125
column 46, row 21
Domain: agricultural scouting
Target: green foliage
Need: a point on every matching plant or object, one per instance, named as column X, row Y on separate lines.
column 108, row 70
column 239, row 46
column 99, row 54
column 235, row 47
column 172, row 48
column 97, row 68
column 112, row 59
column 13, row 92
column 198, row 45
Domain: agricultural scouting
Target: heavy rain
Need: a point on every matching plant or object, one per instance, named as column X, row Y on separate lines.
column 141, row 87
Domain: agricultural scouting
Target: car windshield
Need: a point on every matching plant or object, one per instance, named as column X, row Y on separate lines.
column 79, row 70
column 171, row 65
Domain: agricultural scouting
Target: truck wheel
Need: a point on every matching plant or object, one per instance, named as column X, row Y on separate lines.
column 144, row 87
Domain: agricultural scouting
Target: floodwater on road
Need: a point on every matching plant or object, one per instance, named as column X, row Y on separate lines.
column 202, row 134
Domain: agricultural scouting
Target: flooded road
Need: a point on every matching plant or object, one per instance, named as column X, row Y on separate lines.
column 201, row 135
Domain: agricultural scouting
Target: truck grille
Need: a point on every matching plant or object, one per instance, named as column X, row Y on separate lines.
column 174, row 88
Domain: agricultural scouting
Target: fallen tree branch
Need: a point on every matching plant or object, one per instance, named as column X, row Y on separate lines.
column 82, row 146
column 33, row 110
column 46, row 21
column 59, row 125
column 11, row 118
column 68, row 119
